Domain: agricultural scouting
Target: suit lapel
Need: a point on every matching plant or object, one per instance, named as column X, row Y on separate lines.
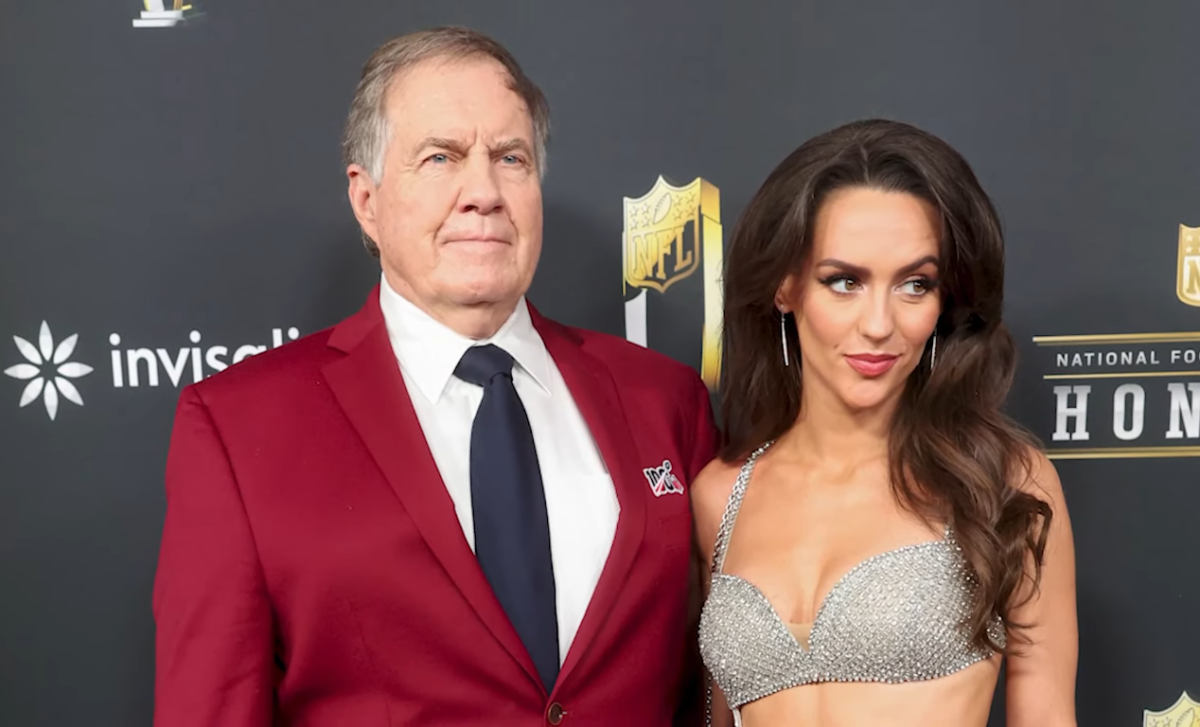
column 595, row 394
column 370, row 389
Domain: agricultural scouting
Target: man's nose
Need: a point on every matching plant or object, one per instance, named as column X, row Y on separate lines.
column 480, row 191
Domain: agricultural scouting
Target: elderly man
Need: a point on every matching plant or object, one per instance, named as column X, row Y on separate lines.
column 447, row 509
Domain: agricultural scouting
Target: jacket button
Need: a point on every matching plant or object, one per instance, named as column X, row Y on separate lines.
column 554, row 715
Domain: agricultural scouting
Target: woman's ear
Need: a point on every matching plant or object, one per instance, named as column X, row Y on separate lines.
column 785, row 295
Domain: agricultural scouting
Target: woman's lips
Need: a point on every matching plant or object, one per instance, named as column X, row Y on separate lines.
column 872, row 364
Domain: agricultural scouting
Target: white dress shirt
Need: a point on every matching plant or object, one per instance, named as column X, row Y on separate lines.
column 581, row 503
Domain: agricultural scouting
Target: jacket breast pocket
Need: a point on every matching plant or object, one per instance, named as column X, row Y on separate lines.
column 673, row 531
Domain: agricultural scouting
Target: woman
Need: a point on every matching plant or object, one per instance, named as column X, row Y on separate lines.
column 896, row 535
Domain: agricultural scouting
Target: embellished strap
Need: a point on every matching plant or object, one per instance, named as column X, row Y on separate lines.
column 732, row 507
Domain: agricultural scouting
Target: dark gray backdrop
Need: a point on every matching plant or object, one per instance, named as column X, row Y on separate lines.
column 157, row 182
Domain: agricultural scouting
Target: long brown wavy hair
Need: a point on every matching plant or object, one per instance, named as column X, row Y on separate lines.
column 954, row 454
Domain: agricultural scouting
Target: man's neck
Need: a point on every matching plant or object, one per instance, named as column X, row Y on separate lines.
column 476, row 322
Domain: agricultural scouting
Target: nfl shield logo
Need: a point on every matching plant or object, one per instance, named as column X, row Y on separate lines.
column 1187, row 283
column 672, row 241
column 1184, row 713
column 663, row 234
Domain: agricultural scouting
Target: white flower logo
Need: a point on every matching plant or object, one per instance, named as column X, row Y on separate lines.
column 47, row 384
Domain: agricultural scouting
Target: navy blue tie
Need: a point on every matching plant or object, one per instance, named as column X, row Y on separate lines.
column 512, row 532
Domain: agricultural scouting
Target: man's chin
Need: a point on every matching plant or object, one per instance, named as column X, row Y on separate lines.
column 486, row 296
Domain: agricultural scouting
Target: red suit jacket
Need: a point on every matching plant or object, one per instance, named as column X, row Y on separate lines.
column 313, row 570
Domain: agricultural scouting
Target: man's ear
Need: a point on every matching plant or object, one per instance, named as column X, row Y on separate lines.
column 363, row 193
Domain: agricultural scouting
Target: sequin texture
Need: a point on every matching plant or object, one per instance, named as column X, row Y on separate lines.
column 895, row 617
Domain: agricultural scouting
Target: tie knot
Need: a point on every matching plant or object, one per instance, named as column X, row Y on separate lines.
column 480, row 364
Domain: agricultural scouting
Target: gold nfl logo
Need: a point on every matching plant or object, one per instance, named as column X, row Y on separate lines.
column 657, row 250
column 1187, row 284
column 1184, row 713
column 670, row 233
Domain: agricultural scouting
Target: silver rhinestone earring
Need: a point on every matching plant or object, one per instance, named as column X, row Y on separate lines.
column 933, row 353
column 783, row 336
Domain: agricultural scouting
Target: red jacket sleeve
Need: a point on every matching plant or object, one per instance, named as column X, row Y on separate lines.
column 214, row 630
column 704, row 443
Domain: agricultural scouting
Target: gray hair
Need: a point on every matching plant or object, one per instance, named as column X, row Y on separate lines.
column 365, row 139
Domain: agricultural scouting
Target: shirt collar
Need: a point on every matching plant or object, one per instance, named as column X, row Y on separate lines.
column 429, row 351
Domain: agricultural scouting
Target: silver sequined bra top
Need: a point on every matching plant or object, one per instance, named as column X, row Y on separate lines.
column 895, row 617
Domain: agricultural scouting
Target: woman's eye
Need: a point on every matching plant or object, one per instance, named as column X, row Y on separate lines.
column 917, row 286
column 844, row 285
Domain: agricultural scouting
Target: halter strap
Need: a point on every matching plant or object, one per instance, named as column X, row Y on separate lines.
column 732, row 507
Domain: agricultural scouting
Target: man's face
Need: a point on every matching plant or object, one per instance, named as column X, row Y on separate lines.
column 457, row 215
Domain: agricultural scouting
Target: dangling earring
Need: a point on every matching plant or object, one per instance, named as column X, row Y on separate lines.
column 783, row 337
column 933, row 353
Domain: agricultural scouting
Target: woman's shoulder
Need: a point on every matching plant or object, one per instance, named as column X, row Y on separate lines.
column 713, row 484
column 1037, row 476
column 710, row 492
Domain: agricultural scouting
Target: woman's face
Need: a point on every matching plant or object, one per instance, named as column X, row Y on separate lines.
column 867, row 300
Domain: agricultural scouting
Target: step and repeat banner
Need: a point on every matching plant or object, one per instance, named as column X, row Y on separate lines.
column 172, row 202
